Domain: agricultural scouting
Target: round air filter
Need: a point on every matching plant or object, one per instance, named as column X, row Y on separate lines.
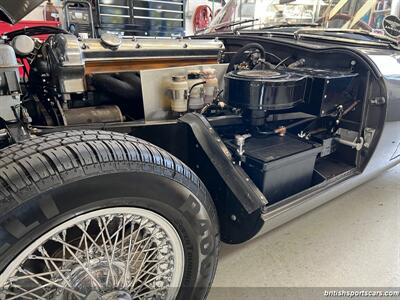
column 270, row 90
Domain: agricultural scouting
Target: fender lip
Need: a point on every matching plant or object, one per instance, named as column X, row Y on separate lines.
column 235, row 178
column 13, row 11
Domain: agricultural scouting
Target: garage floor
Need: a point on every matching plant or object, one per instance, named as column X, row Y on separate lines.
column 353, row 241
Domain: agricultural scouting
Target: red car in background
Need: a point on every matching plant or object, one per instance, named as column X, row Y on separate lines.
column 5, row 27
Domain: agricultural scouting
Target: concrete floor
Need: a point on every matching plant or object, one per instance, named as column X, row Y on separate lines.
column 353, row 241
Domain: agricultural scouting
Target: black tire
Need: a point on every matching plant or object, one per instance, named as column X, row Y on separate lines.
column 47, row 180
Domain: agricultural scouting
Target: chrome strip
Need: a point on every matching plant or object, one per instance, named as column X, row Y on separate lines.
column 165, row 2
column 111, row 5
column 158, row 9
column 157, row 18
column 343, row 40
column 118, row 16
column 149, row 58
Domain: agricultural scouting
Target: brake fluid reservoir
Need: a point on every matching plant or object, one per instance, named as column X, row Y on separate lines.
column 196, row 90
column 179, row 90
column 211, row 85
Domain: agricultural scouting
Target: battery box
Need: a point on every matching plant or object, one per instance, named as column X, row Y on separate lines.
column 280, row 166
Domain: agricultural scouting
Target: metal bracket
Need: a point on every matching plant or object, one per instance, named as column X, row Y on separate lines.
column 357, row 144
column 240, row 142
column 368, row 136
column 350, row 138
column 378, row 101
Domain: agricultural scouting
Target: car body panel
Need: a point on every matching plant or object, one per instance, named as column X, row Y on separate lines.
column 14, row 11
column 385, row 156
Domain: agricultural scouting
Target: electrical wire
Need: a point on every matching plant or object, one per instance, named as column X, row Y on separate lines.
column 218, row 95
column 284, row 129
column 33, row 31
column 190, row 92
column 282, row 62
column 274, row 56
column 25, row 69
column 300, row 122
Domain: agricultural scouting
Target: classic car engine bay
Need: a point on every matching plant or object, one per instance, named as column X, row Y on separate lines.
column 125, row 160
column 290, row 118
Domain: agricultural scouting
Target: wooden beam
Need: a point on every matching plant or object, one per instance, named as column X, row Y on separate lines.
column 337, row 8
column 359, row 14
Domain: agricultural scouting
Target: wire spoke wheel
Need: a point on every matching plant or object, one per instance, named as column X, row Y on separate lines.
column 115, row 253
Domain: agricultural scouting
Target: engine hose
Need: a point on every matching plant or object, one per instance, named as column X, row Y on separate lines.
column 124, row 89
column 238, row 57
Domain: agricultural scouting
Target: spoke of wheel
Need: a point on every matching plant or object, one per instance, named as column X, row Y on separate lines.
column 148, row 293
column 145, row 240
column 87, row 251
column 141, row 252
column 46, row 262
column 131, row 232
column 106, row 253
column 151, row 249
column 83, row 267
column 126, row 266
column 68, row 245
column 123, row 237
column 50, row 282
column 100, row 233
column 94, row 243
column 34, row 257
column 113, row 249
column 38, row 276
column 149, row 281
column 148, row 259
column 64, row 236
column 81, row 240
column 26, row 272
column 138, row 272
column 44, row 252
column 144, row 247
column 144, row 272
column 30, row 292
column 141, row 226
column 136, row 232
column 14, row 294
column 51, row 292
column 83, row 228
column 33, row 275
column 130, row 250
column 109, row 239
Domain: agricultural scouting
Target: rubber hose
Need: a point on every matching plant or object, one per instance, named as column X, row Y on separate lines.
column 237, row 58
column 125, row 90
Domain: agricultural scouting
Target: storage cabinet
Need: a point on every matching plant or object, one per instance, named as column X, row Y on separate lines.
column 142, row 17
